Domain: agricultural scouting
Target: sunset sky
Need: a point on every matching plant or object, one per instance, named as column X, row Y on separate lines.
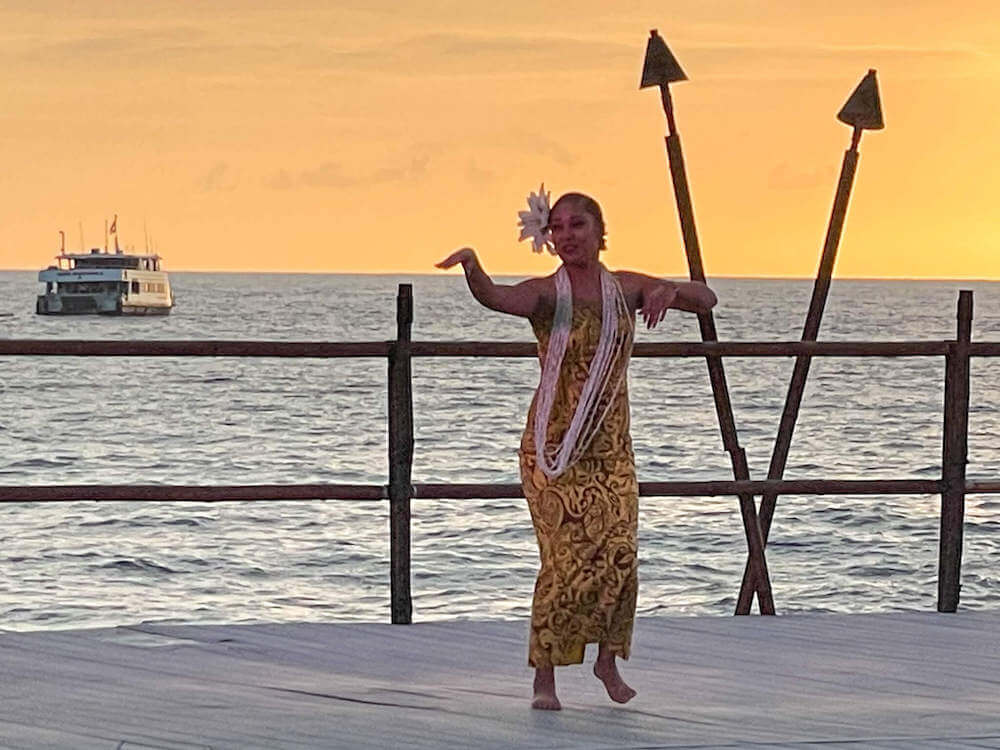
column 376, row 136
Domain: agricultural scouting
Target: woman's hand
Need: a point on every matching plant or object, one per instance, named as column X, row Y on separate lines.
column 656, row 302
column 653, row 296
column 463, row 256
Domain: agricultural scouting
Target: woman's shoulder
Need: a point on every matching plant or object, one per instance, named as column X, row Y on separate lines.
column 632, row 283
column 630, row 278
column 540, row 283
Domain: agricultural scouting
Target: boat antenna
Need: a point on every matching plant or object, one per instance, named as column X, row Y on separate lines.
column 145, row 231
column 105, row 235
column 62, row 242
column 114, row 231
column 81, row 235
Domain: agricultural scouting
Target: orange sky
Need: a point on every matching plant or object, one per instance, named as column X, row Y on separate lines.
column 367, row 135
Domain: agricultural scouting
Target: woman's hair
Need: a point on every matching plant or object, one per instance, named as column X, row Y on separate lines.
column 588, row 204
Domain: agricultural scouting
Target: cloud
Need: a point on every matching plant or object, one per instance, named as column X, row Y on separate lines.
column 463, row 54
column 455, row 37
column 219, row 178
column 755, row 61
column 559, row 153
column 535, row 144
column 136, row 43
column 212, row 49
column 332, row 174
column 479, row 175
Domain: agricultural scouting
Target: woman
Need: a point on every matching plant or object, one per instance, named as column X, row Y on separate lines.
column 577, row 465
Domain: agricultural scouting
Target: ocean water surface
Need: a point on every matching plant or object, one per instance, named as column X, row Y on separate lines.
column 228, row 421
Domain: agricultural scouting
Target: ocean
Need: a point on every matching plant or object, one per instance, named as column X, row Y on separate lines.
column 240, row 421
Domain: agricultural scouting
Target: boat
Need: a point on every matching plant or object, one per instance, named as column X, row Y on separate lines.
column 104, row 283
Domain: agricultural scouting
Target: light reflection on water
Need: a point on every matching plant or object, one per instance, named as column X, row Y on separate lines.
column 205, row 421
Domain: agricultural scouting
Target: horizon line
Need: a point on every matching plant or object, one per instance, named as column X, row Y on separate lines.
column 977, row 279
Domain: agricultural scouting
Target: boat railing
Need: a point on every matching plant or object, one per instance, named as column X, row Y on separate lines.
column 399, row 490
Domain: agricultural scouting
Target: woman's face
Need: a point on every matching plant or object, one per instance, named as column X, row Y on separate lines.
column 574, row 234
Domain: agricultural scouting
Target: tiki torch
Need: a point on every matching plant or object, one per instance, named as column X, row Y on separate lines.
column 863, row 111
column 661, row 69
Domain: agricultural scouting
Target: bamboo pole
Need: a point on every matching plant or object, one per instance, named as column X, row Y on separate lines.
column 862, row 110
column 400, row 405
column 954, row 456
column 660, row 69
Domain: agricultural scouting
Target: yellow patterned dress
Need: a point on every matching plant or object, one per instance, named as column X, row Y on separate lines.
column 585, row 519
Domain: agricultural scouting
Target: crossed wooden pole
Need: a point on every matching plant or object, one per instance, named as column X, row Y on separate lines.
column 661, row 69
column 862, row 111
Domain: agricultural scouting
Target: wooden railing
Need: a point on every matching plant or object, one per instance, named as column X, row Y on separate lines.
column 400, row 490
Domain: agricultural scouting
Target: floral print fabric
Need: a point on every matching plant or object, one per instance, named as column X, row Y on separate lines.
column 586, row 518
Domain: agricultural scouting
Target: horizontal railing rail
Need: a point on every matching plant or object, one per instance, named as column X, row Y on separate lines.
column 459, row 491
column 361, row 349
column 177, row 493
column 297, row 349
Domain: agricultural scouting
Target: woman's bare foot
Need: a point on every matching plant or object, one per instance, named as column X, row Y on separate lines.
column 545, row 690
column 607, row 672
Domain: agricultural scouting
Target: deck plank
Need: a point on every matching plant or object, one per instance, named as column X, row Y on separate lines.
column 891, row 681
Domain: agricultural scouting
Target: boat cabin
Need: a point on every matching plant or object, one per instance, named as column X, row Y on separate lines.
column 98, row 259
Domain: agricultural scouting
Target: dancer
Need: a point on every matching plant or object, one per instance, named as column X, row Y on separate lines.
column 577, row 465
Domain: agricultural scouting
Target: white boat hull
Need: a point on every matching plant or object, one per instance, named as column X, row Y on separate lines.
column 107, row 290
column 94, row 304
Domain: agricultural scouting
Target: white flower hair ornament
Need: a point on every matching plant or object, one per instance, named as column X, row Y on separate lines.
column 534, row 222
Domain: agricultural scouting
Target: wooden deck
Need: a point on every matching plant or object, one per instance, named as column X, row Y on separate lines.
column 914, row 680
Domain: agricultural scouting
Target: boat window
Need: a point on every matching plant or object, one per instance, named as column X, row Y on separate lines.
column 87, row 287
column 135, row 287
column 107, row 261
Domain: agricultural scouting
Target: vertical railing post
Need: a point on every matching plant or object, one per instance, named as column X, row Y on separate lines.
column 400, row 459
column 954, row 455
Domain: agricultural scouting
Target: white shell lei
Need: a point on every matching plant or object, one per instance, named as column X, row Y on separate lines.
column 602, row 383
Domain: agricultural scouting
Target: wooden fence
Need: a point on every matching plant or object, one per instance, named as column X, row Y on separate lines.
column 400, row 490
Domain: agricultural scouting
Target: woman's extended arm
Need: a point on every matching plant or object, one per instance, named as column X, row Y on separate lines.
column 653, row 296
column 519, row 299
